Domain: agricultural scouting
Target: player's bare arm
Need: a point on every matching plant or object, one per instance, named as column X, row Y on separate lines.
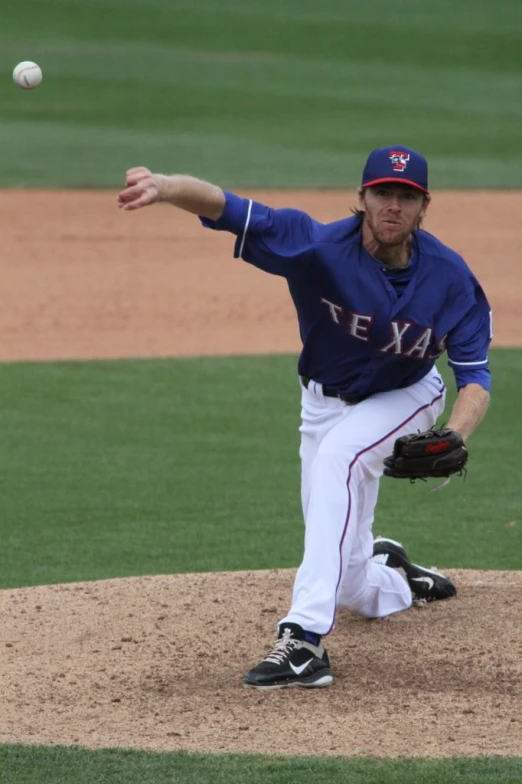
column 181, row 190
column 469, row 410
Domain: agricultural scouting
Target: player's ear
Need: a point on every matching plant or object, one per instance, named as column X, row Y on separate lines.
column 361, row 192
column 425, row 205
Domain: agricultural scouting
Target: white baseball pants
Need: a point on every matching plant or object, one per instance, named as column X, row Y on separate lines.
column 342, row 452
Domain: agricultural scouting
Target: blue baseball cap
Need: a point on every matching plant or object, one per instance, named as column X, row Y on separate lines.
column 396, row 164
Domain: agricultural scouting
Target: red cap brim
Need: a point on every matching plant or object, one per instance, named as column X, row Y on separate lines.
column 395, row 179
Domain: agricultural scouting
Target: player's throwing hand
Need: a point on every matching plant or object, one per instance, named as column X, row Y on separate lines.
column 142, row 188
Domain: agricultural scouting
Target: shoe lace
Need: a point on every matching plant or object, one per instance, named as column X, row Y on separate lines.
column 282, row 648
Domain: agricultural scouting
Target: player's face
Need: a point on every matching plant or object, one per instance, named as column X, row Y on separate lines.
column 393, row 211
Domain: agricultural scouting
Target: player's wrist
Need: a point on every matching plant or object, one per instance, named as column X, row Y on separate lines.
column 166, row 187
column 462, row 433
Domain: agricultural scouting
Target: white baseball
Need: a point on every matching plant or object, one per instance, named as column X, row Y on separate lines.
column 27, row 75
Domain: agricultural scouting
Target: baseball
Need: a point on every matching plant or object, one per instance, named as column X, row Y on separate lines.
column 27, row 75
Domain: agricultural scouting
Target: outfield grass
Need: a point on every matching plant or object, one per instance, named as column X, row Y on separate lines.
column 279, row 93
column 41, row 765
column 113, row 469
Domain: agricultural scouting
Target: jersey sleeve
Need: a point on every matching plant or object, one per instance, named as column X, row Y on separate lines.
column 276, row 241
column 468, row 343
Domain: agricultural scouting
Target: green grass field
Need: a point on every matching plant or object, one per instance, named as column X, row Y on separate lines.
column 66, row 765
column 281, row 93
column 113, row 469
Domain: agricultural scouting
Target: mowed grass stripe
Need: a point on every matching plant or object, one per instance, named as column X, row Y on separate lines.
column 113, row 469
column 58, row 765
column 279, row 75
column 477, row 17
column 250, row 28
column 270, row 162
column 176, row 86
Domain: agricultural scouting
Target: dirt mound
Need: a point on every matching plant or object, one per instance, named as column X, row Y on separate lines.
column 157, row 663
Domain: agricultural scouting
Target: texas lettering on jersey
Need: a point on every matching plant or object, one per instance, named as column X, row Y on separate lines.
column 365, row 328
column 404, row 335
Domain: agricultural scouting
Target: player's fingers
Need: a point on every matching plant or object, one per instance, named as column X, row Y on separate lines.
column 137, row 180
column 138, row 170
column 144, row 184
column 142, row 201
column 137, row 174
column 134, row 198
column 129, row 194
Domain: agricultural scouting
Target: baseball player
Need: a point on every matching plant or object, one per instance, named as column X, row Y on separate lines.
column 378, row 300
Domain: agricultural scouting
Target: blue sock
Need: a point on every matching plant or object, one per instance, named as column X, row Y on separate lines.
column 312, row 637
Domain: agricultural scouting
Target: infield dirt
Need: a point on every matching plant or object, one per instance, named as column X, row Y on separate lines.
column 157, row 662
column 81, row 279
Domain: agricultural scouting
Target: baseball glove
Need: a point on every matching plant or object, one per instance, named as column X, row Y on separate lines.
column 437, row 453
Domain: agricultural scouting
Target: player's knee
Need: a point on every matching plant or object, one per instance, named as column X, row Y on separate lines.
column 353, row 600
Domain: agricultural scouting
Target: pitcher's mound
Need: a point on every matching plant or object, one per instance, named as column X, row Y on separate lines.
column 157, row 663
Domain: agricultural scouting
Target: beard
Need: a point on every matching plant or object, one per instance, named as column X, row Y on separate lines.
column 389, row 236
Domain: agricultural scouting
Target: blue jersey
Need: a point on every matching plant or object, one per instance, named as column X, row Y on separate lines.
column 366, row 328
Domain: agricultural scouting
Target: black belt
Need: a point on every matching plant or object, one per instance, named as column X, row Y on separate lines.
column 351, row 400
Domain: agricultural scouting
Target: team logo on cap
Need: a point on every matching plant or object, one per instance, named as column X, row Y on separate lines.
column 399, row 160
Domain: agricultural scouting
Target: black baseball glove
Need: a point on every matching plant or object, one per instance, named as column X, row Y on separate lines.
column 438, row 453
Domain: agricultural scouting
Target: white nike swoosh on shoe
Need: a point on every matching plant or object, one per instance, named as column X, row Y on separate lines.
column 427, row 580
column 302, row 667
column 381, row 558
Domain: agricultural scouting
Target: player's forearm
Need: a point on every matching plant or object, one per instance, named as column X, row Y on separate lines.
column 469, row 410
column 190, row 194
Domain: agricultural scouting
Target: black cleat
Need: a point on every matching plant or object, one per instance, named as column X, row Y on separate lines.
column 293, row 661
column 427, row 585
